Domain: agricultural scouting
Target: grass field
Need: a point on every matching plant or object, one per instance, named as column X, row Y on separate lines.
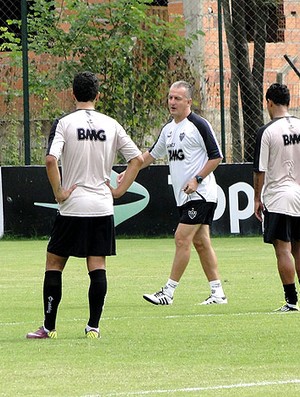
column 240, row 349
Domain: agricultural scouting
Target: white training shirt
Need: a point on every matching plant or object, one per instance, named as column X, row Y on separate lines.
column 87, row 141
column 188, row 145
column 277, row 153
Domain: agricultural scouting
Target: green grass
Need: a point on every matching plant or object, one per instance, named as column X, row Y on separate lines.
column 240, row 349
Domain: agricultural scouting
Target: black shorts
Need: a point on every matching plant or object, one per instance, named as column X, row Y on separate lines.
column 197, row 212
column 82, row 236
column 280, row 227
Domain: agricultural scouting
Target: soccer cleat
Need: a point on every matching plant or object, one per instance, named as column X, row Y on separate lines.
column 92, row 334
column 42, row 334
column 212, row 299
column 159, row 298
column 288, row 307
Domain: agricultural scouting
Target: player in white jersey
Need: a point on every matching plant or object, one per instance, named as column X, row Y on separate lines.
column 193, row 152
column 86, row 142
column 277, row 188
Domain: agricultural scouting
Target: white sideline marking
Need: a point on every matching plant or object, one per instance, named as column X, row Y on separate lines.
column 162, row 317
column 198, row 315
column 196, row 389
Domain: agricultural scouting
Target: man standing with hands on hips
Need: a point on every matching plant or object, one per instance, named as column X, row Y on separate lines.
column 189, row 142
column 86, row 141
column 277, row 188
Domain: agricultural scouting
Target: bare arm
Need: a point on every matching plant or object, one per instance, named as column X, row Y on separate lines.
column 209, row 167
column 258, row 182
column 55, row 180
column 147, row 160
column 128, row 176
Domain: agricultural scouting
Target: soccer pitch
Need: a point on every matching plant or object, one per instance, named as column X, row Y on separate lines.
column 239, row 349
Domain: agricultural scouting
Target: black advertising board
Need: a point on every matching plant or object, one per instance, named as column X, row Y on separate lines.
column 27, row 206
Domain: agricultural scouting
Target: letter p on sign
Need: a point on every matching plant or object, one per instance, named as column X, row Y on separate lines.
column 235, row 213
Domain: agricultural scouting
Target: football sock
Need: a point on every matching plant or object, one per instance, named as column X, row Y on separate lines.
column 88, row 328
column 96, row 295
column 170, row 286
column 52, row 292
column 290, row 293
column 216, row 288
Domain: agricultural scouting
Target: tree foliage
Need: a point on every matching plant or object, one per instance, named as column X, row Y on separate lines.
column 132, row 50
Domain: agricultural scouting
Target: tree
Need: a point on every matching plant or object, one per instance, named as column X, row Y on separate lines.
column 246, row 77
column 132, row 51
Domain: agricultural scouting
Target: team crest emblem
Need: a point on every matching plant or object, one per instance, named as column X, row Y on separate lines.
column 181, row 136
column 192, row 213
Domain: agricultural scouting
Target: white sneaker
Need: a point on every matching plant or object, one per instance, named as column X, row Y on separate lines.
column 159, row 298
column 288, row 307
column 219, row 300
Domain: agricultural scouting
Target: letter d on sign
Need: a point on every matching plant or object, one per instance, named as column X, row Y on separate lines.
column 235, row 214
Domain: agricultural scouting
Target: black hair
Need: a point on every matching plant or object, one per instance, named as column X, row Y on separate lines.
column 279, row 94
column 85, row 86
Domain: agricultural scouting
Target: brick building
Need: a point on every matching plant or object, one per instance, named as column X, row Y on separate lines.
column 204, row 54
column 283, row 32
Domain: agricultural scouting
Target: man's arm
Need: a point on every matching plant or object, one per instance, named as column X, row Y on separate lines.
column 209, row 167
column 128, row 176
column 55, row 180
column 147, row 160
column 258, row 182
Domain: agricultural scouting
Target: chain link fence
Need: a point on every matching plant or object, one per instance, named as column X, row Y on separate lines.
column 230, row 50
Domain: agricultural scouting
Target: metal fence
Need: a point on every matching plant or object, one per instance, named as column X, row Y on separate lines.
column 234, row 51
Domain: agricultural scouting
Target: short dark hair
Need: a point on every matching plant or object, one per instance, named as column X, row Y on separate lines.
column 279, row 94
column 85, row 86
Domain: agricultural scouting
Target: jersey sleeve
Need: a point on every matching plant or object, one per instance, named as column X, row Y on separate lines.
column 56, row 139
column 158, row 149
column 261, row 152
column 208, row 135
column 125, row 145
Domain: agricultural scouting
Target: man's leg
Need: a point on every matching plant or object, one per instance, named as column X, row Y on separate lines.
column 184, row 236
column 96, row 294
column 285, row 263
column 206, row 253
column 52, row 293
column 183, row 239
column 52, row 288
column 286, row 269
column 296, row 256
column 208, row 259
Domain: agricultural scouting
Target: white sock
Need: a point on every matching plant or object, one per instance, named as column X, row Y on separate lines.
column 170, row 286
column 88, row 328
column 216, row 288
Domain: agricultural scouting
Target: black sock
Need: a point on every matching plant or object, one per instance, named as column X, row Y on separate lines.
column 97, row 293
column 290, row 293
column 52, row 293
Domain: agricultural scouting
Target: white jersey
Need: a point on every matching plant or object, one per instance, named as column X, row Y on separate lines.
column 87, row 141
column 188, row 145
column 277, row 153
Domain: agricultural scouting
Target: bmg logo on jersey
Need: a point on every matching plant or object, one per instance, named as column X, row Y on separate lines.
column 175, row 154
column 92, row 135
column 291, row 139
